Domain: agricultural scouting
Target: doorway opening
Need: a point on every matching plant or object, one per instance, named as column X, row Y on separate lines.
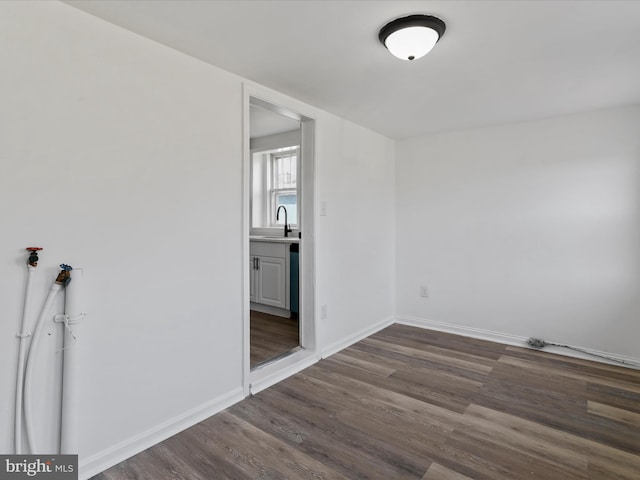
column 274, row 233
column 279, row 307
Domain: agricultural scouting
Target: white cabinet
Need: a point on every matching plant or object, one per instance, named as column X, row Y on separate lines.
column 269, row 264
column 270, row 282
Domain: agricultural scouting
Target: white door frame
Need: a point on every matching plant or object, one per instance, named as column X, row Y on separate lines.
column 258, row 379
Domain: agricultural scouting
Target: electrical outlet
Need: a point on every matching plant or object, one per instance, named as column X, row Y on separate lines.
column 424, row 291
column 323, row 312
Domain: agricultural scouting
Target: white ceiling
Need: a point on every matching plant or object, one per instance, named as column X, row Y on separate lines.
column 499, row 61
column 265, row 122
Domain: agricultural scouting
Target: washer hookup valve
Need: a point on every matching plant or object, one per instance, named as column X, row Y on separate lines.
column 33, row 255
column 64, row 277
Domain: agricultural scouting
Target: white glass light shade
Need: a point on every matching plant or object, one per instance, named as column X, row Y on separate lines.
column 413, row 36
column 411, row 43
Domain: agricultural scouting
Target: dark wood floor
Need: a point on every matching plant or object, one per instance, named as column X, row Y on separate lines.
column 271, row 336
column 408, row 403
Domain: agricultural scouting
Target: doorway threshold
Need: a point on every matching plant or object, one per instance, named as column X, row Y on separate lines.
column 279, row 368
column 276, row 358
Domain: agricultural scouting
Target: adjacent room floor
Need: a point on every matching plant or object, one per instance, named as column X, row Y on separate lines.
column 272, row 336
column 408, row 403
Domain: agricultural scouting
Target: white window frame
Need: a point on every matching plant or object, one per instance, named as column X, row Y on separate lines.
column 273, row 192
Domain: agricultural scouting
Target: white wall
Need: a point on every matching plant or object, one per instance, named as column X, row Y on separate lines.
column 125, row 157
column 528, row 229
column 356, row 259
column 117, row 156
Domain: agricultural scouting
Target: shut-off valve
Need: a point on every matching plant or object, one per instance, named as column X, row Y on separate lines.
column 64, row 277
column 33, row 256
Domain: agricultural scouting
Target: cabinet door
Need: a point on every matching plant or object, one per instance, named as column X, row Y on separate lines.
column 271, row 282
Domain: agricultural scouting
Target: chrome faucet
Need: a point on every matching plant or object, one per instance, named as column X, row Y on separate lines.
column 286, row 223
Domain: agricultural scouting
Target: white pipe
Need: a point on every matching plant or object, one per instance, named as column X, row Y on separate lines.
column 22, row 351
column 28, row 377
column 73, row 315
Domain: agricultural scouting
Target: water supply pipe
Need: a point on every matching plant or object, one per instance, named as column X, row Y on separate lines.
column 73, row 314
column 32, row 263
column 61, row 281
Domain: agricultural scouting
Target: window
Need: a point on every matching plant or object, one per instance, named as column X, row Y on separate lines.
column 283, row 182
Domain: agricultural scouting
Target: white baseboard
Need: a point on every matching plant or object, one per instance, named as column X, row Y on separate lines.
column 462, row 330
column 356, row 337
column 518, row 341
column 278, row 312
column 105, row 459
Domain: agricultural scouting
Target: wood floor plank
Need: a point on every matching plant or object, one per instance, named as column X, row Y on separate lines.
column 601, row 376
column 435, row 349
column 423, row 361
column 438, row 472
column 549, row 449
column 427, row 385
column 486, row 460
column 605, row 469
column 406, row 335
column 577, row 367
column 322, row 441
column 552, row 443
column 614, row 396
column 157, row 462
column 304, row 407
column 430, row 356
column 193, row 448
column 613, row 413
column 367, row 366
column 423, row 413
column 363, row 412
column 259, row 454
column 555, row 398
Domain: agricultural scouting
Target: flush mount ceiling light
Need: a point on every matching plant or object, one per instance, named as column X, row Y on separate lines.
column 412, row 37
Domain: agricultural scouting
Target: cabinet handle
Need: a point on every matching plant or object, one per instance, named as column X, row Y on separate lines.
column 257, row 263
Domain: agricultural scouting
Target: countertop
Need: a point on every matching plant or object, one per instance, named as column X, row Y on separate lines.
column 265, row 238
